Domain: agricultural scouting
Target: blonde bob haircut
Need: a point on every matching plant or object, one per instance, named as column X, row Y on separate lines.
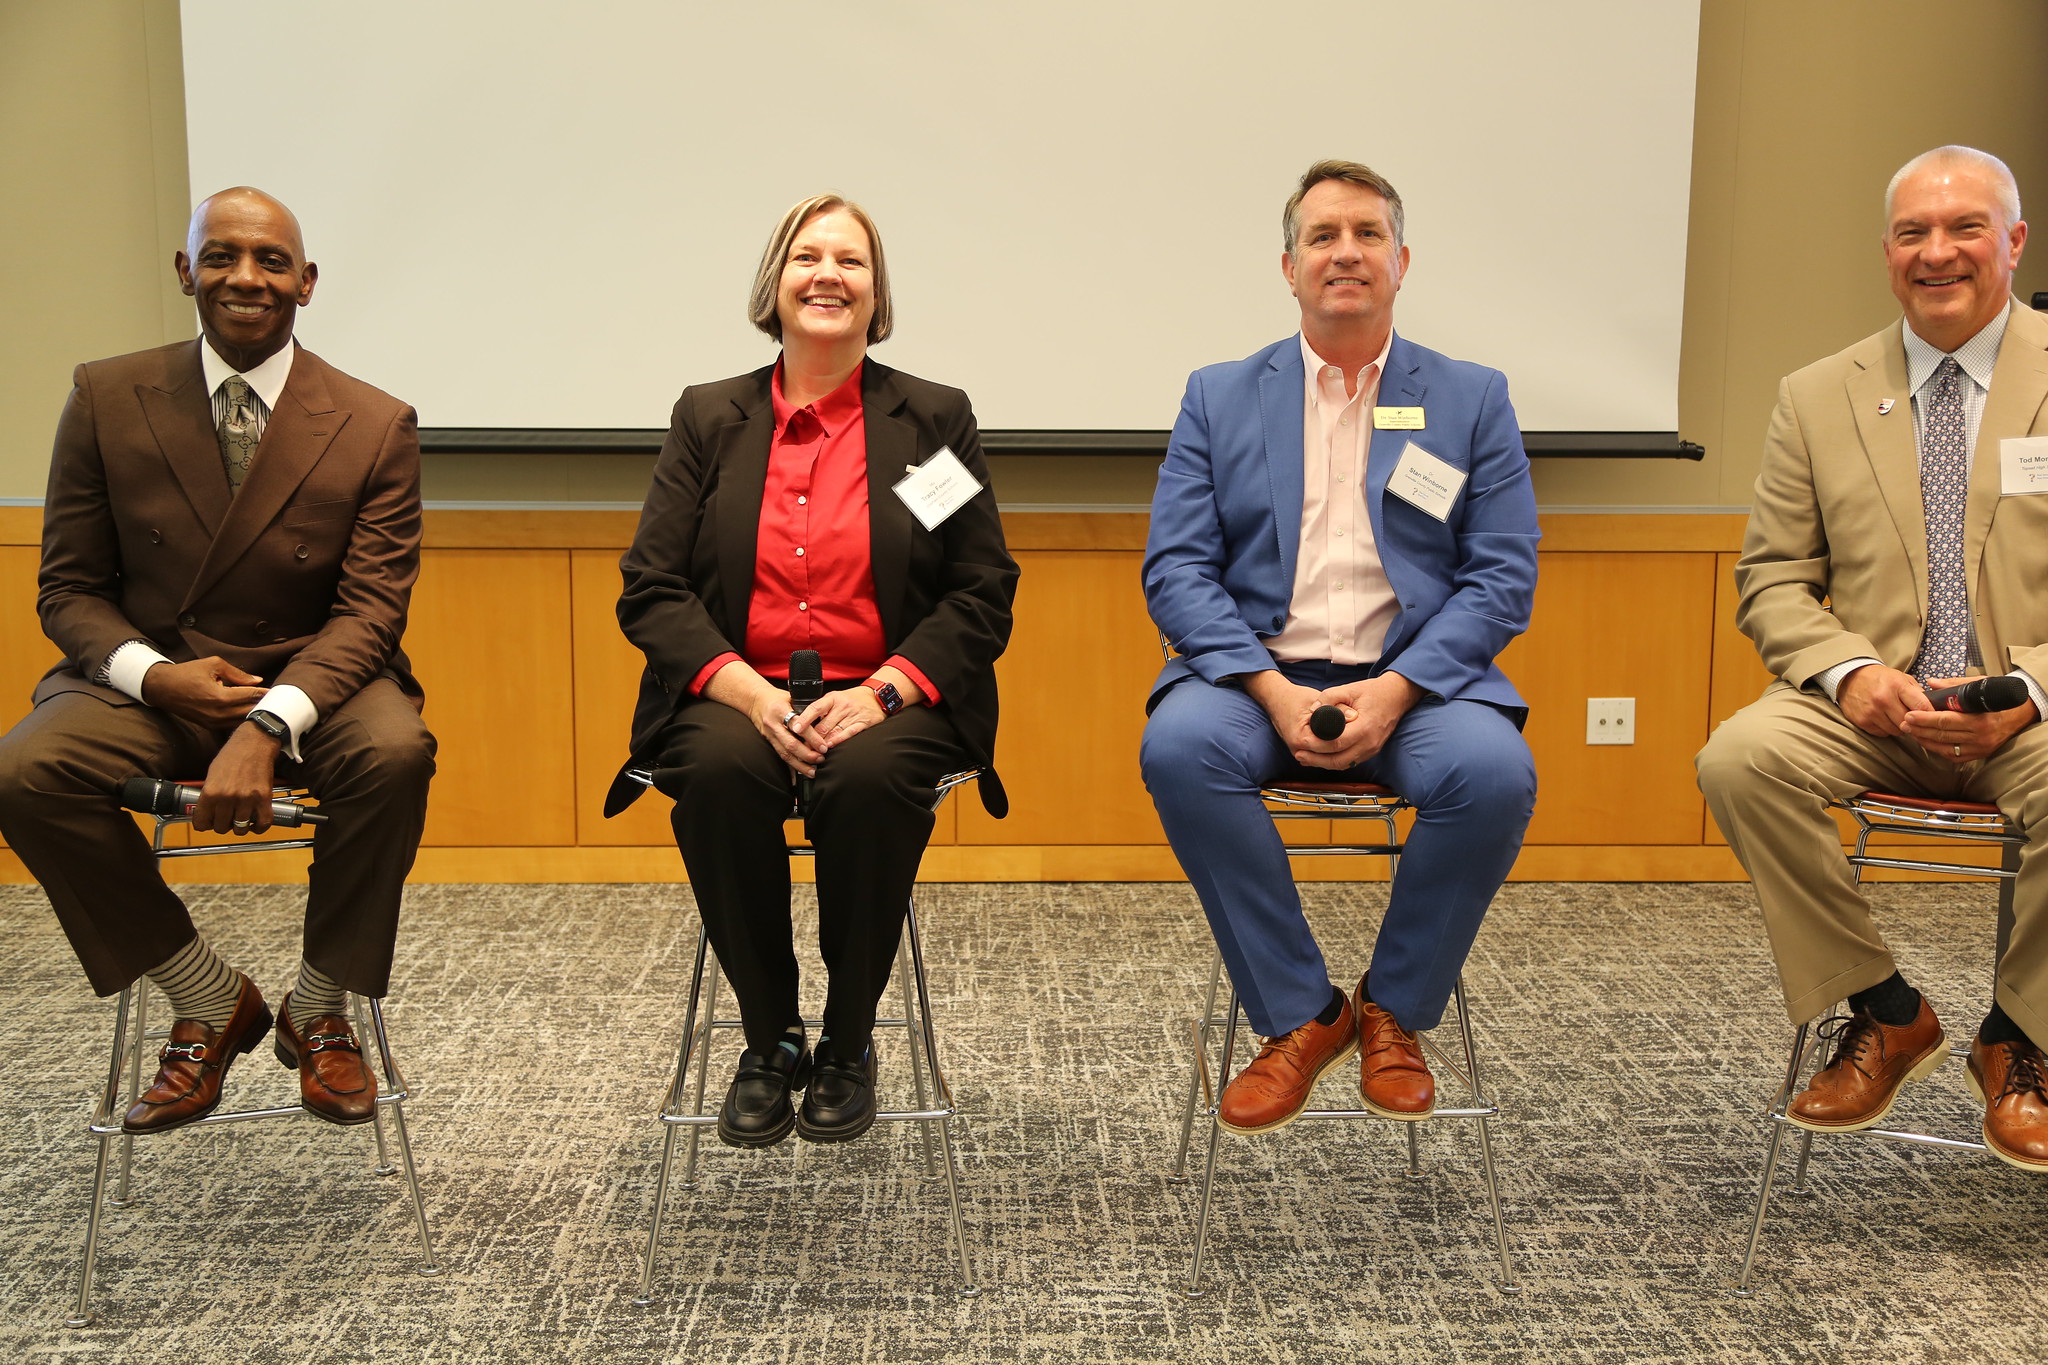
column 761, row 304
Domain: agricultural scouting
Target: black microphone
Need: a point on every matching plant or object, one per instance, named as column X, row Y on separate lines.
column 806, row 685
column 1326, row 722
column 2001, row 693
column 155, row 796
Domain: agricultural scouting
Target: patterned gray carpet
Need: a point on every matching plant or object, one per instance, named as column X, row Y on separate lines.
column 1633, row 1034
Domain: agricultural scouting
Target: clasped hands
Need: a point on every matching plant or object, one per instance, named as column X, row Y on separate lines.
column 1371, row 709
column 1883, row 701
column 215, row 695
column 803, row 738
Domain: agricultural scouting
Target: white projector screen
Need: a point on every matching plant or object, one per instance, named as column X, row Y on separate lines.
column 539, row 215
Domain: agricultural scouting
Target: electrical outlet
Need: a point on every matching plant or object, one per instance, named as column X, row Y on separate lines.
column 1610, row 720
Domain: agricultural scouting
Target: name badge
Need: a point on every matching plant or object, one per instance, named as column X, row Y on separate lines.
column 2023, row 465
column 937, row 488
column 1397, row 419
column 1425, row 482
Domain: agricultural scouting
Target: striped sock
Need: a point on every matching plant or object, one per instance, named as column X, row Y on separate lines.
column 316, row 994
column 199, row 984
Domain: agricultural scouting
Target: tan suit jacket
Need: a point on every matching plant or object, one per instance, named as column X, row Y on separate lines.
column 1837, row 522
column 302, row 578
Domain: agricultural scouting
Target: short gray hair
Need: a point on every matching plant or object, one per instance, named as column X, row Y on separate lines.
column 1353, row 173
column 1955, row 154
column 761, row 303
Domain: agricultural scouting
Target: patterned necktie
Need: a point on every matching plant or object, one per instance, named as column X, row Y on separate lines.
column 237, row 431
column 1944, row 487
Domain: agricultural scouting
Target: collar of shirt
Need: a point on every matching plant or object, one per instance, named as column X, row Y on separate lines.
column 266, row 380
column 1313, row 367
column 832, row 413
column 1978, row 356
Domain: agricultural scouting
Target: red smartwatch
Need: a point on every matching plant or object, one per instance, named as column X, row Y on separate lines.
column 886, row 695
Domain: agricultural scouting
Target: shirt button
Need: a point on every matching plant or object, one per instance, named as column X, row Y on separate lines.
column 803, row 606
column 801, row 500
column 799, row 551
column 1333, row 371
column 1343, row 421
column 1340, row 478
column 1340, row 535
column 156, row 537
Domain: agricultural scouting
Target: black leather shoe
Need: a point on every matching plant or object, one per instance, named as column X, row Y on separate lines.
column 840, row 1105
column 757, row 1111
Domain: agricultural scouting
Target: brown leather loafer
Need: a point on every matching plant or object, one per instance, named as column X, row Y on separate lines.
column 194, row 1065
column 1393, row 1079
column 334, row 1083
column 2012, row 1080
column 1872, row 1063
column 1274, row 1089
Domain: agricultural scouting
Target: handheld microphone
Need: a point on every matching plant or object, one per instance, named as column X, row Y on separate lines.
column 1326, row 722
column 155, row 796
column 806, row 685
column 2001, row 693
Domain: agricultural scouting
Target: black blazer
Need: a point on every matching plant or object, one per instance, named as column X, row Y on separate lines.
column 944, row 595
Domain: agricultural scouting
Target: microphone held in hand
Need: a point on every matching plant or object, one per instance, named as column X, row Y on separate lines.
column 1326, row 722
column 2001, row 693
column 806, row 685
column 153, row 796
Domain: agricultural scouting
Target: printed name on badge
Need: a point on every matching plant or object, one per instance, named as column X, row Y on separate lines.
column 1426, row 482
column 2023, row 465
column 937, row 488
column 1397, row 419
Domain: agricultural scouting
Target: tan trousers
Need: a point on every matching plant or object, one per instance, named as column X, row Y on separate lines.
column 60, row 767
column 1768, row 772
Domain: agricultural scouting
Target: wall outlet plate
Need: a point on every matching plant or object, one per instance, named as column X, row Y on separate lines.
column 1610, row 720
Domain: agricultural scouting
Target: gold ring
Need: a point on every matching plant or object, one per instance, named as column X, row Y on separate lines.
column 244, row 824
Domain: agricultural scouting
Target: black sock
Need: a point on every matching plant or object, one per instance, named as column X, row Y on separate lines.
column 1333, row 1010
column 1998, row 1027
column 1891, row 1001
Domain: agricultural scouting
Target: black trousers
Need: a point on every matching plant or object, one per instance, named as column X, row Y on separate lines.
column 870, row 817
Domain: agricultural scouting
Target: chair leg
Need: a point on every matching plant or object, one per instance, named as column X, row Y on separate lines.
column 670, row 1104
column 1201, row 1064
column 702, row 1051
column 905, row 968
column 395, row 1080
column 1194, row 1288
column 103, row 1120
column 1777, row 1143
column 385, row 1165
column 1799, row 1166
column 137, row 1044
column 1479, row 1101
column 944, row 1094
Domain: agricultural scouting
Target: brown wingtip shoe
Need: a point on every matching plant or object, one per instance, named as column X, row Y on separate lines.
column 1393, row 1077
column 334, row 1084
column 2012, row 1080
column 193, row 1066
column 1872, row 1063
column 1274, row 1089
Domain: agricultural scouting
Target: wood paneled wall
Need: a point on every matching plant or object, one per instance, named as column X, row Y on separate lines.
column 530, row 687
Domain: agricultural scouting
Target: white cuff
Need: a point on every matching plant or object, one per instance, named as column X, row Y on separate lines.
column 1829, row 680
column 2034, row 690
column 126, row 666
column 295, row 709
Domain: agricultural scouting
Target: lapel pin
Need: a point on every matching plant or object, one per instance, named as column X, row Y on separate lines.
column 1884, row 405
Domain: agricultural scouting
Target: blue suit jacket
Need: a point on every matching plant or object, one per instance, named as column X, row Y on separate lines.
column 1226, row 524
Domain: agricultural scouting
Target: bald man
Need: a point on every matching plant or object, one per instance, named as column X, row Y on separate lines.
column 1895, row 546
column 230, row 539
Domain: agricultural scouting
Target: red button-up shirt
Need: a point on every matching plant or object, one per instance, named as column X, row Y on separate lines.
column 814, row 582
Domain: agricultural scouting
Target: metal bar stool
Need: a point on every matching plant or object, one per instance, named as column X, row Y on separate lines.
column 125, row 1062
column 935, row 1107
column 1877, row 812
column 1333, row 801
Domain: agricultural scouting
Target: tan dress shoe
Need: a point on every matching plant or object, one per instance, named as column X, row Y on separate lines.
column 1872, row 1063
column 193, row 1066
column 1274, row 1089
column 2012, row 1080
column 1393, row 1078
column 334, row 1082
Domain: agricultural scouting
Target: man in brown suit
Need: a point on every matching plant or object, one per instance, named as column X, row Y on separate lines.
column 229, row 543
column 1898, row 542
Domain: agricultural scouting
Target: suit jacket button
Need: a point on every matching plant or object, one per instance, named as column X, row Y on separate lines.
column 263, row 627
column 156, row 537
column 300, row 552
column 188, row 620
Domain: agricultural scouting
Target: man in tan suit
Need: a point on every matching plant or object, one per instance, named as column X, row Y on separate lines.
column 229, row 543
column 1895, row 545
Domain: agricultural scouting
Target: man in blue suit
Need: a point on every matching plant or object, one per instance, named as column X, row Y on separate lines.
column 1344, row 518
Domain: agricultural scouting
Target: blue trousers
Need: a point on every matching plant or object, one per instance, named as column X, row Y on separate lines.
column 1464, row 766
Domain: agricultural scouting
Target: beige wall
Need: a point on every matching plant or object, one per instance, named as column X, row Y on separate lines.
column 1803, row 111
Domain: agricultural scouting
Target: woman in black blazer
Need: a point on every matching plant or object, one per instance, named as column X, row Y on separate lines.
column 774, row 524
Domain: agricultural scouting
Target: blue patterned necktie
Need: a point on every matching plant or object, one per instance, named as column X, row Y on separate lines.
column 1944, row 487
column 237, row 431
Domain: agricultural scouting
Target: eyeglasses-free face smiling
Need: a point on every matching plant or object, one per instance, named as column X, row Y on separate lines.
column 827, row 293
column 245, row 265
column 1950, row 252
column 1345, row 269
